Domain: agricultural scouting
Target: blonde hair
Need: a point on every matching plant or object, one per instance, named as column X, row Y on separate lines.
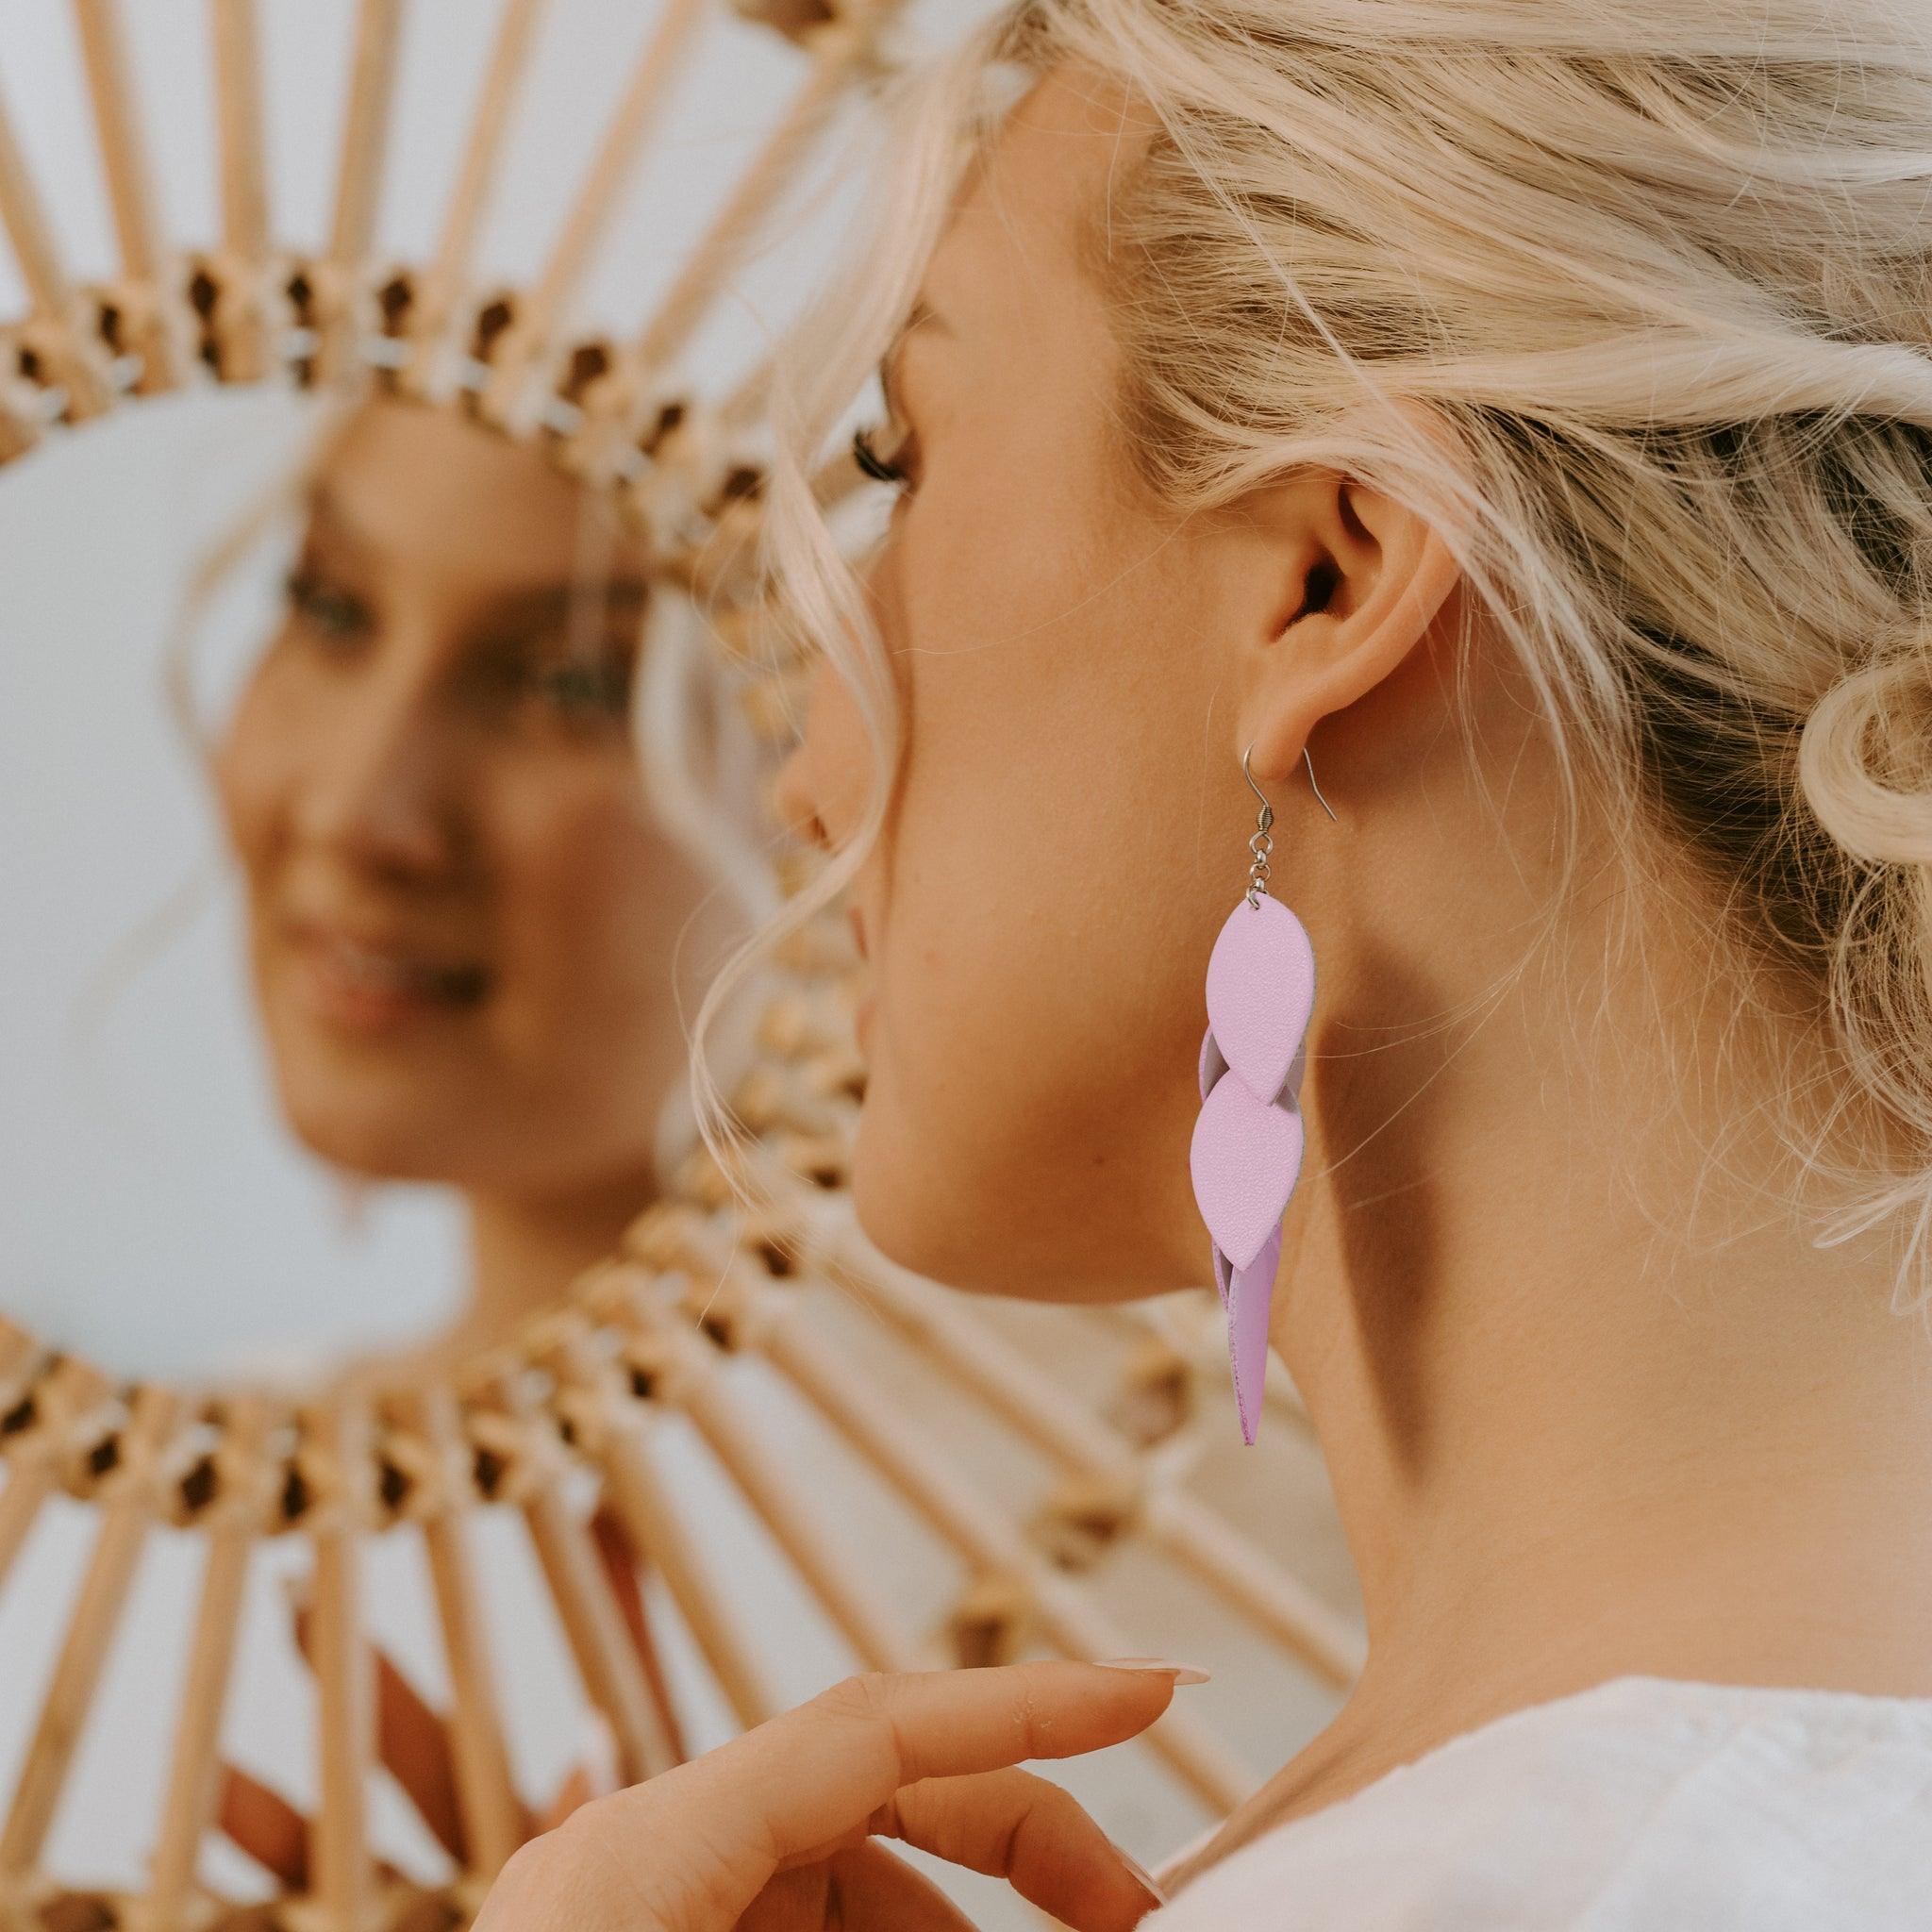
column 1661, row 268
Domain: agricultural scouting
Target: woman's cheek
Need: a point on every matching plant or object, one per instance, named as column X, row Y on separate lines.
column 574, row 879
column 250, row 778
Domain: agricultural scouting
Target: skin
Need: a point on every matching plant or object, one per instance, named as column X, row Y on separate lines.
column 426, row 766
column 1589, row 1406
column 927, row 1757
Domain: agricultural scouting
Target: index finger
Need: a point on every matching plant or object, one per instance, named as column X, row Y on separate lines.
column 822, row 1769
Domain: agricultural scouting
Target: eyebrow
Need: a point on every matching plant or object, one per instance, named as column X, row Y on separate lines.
column 621, row 590
column 325, row 510
column 924, row 315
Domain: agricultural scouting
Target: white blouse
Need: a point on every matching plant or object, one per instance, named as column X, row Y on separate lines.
column 1640, row 1805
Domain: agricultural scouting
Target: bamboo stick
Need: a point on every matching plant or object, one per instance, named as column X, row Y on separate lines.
column 358, row 182
column 124, row 1524
column 117, row 123
column 541, row 312
column 597, row 200
column 26, row 229
column 1189, row 1529
column 29, row 1482
column 719, row 255
column 194, row 1786
column 788, row 1509
column 55, row 307
column 652, row 1522
column 151, row 319
column 365, row 130
column 237, row 114
column 612, row 1674
column 341, row 1876
column 1007, row 1380
column 963, row 1517
column 486, row 1793
column 239, row 326
column 449, row 271
column 1273, row 1599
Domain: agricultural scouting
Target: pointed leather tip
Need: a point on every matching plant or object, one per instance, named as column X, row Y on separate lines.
column 1249, row 1294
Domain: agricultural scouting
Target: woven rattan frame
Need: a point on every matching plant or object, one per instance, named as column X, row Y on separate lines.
column 698, row 1278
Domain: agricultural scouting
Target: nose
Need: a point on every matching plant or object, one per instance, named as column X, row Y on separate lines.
column 792, row 792
column 379, row 786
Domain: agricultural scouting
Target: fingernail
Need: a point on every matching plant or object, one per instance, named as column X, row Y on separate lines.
column 1181, row 1673
column 1145, row 1877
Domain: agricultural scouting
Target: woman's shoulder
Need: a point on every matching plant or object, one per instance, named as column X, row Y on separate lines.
column 1639, row 1802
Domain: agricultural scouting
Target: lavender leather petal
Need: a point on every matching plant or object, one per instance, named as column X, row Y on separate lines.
column 1290, row 1095
column 1212, row 1065
column 1248, row 1302
column 1261, row 991
column 1245, row 1156
column 1223, row 1271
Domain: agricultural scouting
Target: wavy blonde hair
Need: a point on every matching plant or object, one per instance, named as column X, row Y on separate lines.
column 1663, row 268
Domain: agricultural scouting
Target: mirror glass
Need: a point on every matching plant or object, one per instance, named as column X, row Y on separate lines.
column 345, row 941
column 341, row 966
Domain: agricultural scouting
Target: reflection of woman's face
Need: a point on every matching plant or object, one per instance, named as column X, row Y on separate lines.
column 461, row 920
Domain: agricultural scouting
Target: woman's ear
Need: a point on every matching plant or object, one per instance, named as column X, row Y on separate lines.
column 1368, row 576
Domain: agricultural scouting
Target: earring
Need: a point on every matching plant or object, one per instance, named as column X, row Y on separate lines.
column 1246, row 1154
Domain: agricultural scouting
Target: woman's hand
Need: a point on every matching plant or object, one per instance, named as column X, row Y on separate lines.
column 772, row 1832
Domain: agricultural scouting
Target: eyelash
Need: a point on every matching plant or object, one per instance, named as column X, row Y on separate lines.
column 576, row 690
column 873, row 464
column 337, row 612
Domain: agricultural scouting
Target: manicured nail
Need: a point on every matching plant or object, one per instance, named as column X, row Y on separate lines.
column 1144, row 1877
column 1181, row 1673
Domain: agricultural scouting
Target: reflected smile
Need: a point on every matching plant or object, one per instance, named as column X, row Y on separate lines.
column 363, row 983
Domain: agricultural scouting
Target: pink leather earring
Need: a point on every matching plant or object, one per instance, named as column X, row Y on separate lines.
column 1246, row 1155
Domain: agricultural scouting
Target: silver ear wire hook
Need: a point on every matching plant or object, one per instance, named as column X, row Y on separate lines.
column 1263, row 796
column 1316, row 788
column 1261, row 844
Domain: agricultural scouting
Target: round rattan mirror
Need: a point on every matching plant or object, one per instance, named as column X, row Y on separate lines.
column 439, row 613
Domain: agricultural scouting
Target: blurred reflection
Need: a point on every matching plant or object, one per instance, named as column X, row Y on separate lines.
column 464, row 923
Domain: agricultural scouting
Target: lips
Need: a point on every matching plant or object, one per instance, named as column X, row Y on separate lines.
column 366, row 982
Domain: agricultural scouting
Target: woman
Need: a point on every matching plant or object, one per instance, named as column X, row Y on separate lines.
column 470, row 931
column 1514, row 419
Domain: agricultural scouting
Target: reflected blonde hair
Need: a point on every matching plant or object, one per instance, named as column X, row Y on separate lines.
column 1663, row 269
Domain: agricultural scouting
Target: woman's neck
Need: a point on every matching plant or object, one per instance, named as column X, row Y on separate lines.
column 525, row 1253
column 1590, row 1400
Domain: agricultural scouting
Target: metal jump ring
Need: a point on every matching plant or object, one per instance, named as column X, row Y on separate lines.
column 1261, row 844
